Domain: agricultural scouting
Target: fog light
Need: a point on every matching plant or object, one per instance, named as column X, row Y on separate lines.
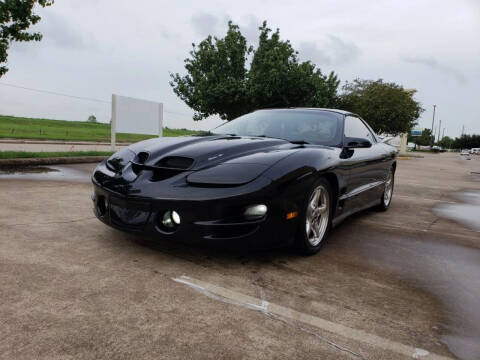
column 170, row 219
column 255, row 211
column 176, row 217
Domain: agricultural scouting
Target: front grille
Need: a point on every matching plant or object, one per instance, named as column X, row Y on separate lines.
column 130, row 215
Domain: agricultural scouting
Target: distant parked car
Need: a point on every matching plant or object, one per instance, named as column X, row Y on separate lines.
column 437, row 148
column 475, row 151
column 465, row 152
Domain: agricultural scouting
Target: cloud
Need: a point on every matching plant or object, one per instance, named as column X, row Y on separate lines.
column 59, row 32
column 205, row 24
column 249, row 28
column 334, row 51
column 433, row 64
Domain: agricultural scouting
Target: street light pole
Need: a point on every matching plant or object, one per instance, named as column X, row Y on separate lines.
column 433, row 122
column 439, row 127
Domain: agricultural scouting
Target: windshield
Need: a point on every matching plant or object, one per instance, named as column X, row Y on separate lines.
column 309, row 126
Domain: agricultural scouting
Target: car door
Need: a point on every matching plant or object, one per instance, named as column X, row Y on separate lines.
column 364, row 166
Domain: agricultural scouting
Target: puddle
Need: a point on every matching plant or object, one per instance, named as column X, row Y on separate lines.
column 450, row 272
column 466, row 212
column 77, row 173
column 26, row 170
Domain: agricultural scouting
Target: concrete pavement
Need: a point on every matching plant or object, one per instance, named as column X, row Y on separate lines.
column 394, row 285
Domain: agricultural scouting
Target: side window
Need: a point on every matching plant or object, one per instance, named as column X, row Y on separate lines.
column 354, row 127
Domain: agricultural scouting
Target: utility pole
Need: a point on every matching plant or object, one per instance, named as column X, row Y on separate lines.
column 433, row 122
column 463, row 129
column 439, row 127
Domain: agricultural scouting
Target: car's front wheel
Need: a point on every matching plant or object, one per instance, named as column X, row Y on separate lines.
column 315, row 222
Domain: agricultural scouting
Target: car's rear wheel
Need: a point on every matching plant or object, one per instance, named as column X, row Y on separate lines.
column 315, row 222
column 387, row 194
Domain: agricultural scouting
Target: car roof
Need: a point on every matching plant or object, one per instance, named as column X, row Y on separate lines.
column 343, row 112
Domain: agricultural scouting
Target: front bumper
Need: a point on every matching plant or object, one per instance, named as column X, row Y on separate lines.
column 209, row 221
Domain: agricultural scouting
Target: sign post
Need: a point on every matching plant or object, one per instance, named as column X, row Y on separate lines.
column 113, row 123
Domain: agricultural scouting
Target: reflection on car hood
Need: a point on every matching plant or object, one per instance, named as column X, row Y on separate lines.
column 211, row 150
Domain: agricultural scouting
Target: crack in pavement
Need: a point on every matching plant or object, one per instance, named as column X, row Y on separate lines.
column 281, row 312
column 298, row 327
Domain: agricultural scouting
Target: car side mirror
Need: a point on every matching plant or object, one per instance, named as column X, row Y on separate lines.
column 356, row 143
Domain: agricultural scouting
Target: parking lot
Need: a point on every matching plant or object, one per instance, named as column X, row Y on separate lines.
column 393, row 285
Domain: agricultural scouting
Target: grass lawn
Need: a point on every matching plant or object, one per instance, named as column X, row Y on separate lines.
column 45, row 129
column 45, row 154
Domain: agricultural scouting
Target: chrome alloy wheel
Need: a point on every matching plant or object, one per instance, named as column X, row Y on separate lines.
column 318, row 212
column 387, row 194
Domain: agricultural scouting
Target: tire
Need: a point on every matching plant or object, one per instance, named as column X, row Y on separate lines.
column 316, row 218
column 387, row 194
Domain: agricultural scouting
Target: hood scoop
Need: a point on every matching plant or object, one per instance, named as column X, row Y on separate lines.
column 166, row 168
column 175, row 162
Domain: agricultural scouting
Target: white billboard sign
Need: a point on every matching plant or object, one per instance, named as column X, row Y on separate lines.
column 136, row 116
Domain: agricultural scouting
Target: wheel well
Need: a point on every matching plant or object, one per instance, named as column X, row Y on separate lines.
column 332, row 179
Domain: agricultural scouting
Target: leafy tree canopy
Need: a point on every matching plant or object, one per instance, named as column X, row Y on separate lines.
column 446, row 142
column 466, row 142
column 387, row 107
column 218, row 79
column 16, row 16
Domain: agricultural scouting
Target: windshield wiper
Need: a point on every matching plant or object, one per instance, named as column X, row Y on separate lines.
column 204, row 133
column 300, row 142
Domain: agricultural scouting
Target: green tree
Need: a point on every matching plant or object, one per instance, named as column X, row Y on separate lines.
column 16, row 16
column 466, row 142
column 92, row 118
column 218, row 81
column 277, row 79
column 388, row 107
column 446, row 142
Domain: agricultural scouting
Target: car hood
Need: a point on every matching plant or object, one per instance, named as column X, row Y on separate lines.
column 210, row 151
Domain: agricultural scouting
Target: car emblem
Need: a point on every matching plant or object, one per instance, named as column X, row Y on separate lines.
column 214, row 157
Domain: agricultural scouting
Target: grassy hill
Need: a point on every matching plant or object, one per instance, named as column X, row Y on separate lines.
column 46, row 129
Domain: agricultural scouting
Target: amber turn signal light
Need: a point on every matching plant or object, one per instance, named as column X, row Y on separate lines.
column 292, row 215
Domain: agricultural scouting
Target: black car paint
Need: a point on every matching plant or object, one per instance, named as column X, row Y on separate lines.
column 228, row 174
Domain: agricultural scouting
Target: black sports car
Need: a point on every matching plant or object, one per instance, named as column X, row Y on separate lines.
column 268, row 178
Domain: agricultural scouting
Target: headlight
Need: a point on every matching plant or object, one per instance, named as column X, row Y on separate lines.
column 117, row 161
column 227, row 174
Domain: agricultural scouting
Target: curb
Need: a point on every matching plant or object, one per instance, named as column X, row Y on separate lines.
column 58, row 142
column 411, row 155
column 50, row 161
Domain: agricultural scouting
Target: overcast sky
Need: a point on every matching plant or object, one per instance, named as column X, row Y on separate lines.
column 94, row 48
